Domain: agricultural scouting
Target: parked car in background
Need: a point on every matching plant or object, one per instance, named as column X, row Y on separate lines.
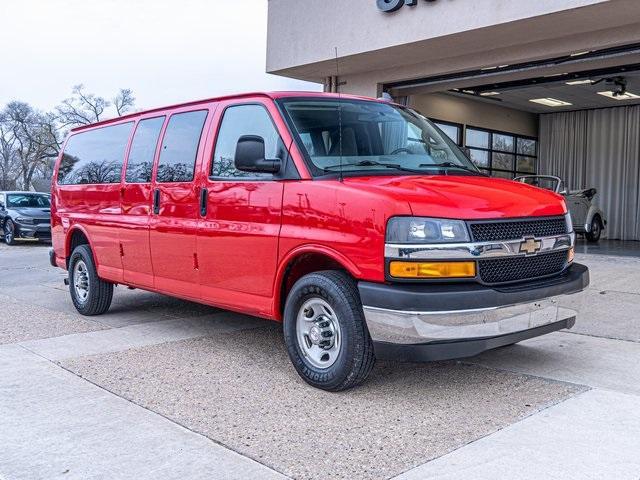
column 25, row 216
column 588, row 219
column 357, row 223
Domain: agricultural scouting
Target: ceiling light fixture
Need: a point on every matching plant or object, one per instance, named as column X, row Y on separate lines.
column 489, row 94
column 550, row 102
column 580, row 82
column 577, row 54
column 619, row 96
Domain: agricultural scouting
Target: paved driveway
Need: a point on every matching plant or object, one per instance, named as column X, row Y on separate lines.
column 161, row 388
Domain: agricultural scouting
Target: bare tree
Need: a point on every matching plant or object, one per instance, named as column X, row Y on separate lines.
column 124, row 101
column 30, row 140
column 81, row 108
column 33, row 139
column 9, row 163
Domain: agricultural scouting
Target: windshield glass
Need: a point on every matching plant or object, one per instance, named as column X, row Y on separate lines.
column 375, row 136
column 548, row 183
column 28, row 200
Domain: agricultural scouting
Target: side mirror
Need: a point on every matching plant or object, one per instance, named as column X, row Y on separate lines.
column 250, row 156
column 467, row 152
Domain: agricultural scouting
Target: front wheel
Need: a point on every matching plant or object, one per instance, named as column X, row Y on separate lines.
column 90, row 294
column 325, row 331
column 596, row 230
column 9, row 232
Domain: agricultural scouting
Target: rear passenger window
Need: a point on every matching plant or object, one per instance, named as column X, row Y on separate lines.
column 180, row 147
column 244, row 120
column 95, row 156
column 143, row 150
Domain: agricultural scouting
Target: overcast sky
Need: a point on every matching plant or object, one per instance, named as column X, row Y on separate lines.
column 166, row 51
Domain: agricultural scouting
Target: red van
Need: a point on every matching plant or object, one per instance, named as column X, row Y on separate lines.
column 356, row 222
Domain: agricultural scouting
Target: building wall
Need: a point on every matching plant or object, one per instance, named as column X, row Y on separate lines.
column 306, row 32
column 475, row 113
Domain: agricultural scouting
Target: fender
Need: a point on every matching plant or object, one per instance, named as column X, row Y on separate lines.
column 67, row 242
column 593, row 211
column 338, row 257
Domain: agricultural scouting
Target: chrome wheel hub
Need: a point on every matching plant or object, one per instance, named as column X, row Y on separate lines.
column 81, row 280
column 318, row 333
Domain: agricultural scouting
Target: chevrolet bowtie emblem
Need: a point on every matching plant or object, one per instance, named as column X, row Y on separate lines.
column 530, row 246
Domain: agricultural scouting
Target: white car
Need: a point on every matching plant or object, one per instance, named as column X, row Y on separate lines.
column 588, row 219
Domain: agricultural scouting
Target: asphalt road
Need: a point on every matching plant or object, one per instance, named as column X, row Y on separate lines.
column 162, row 388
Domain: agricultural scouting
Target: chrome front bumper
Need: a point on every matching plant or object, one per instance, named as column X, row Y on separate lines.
column 450, row 317
column 407, row 327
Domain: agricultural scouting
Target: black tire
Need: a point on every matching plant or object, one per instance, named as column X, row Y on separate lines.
column 9, row 232
column 355, row 358
column 98, row 292
column 596, row 230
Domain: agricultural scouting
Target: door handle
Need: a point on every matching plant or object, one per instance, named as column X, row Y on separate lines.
column 156, row 201
column 204, row 200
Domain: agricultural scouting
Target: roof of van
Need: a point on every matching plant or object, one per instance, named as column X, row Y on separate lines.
column 272, row 95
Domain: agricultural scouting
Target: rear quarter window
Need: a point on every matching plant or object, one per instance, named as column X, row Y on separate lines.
column 95, row 156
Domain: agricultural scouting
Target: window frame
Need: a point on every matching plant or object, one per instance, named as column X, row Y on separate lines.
column 156, row 155
column 491, row 150
column 199, row 146
column 286, row 162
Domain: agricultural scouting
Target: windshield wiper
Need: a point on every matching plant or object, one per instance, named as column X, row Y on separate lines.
column 451, row 165
column 371, row 163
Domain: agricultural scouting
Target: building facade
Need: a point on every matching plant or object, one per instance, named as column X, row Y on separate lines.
column 546, row 86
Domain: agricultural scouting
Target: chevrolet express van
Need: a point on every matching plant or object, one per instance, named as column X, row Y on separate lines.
column 355, row 222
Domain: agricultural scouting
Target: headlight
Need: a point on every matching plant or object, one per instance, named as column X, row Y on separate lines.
column 569, row 222
column 25, row 221
column 420, row 230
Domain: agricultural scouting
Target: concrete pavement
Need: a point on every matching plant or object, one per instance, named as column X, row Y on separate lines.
column 160, row 388
column 58, row 426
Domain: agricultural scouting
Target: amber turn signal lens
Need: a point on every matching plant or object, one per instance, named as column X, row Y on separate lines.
column 432, row 269
column 572, row 254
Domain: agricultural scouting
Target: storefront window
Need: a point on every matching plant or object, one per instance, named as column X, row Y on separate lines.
column 451, row 130
column 477, row 138
column 502, row 154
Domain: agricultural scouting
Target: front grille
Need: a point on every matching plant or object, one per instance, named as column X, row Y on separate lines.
column 40, row 221
column 517, row 229
column 513, row 269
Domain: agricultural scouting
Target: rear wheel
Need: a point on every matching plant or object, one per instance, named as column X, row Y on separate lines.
column 325, row 331
column 90, row 294
column 596, row 230
column 9, row 232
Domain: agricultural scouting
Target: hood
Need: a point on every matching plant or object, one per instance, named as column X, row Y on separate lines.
column 32, row 212
column 464, row 197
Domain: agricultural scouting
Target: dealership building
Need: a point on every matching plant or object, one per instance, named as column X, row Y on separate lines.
column 546, row 86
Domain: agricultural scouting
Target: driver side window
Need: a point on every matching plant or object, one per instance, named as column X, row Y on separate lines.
column 238, row 121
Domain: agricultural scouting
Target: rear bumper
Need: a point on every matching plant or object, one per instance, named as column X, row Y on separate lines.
column 438, row 322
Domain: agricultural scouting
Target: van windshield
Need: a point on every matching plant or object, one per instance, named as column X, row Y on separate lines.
column 374, row 137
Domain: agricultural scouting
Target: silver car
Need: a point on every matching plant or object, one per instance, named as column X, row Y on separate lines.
column 588, row 219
